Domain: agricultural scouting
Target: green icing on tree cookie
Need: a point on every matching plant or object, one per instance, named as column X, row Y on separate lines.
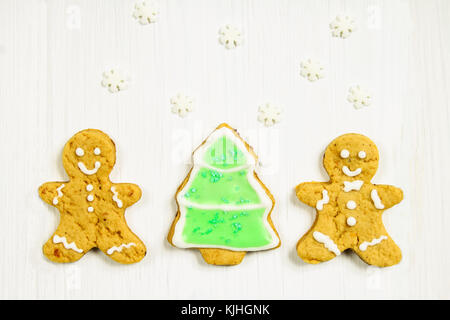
column 234, row 229
column 224, row 154
column 212, row 187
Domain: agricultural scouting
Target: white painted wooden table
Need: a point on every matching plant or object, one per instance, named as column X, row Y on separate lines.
column 52, row 55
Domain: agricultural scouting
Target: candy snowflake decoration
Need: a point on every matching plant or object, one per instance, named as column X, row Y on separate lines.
column 342, row 26
column 145, row 12
column 312, row 70
column 269, row 114
column 115, row 81
column 359, row 97
column 230, row 36
column 182, row 105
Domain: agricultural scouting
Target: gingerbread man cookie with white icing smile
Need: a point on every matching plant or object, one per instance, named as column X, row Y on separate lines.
column 349, row 206
column 92, row 208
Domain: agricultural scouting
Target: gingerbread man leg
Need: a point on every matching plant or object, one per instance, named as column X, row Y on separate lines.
column 67, row 244
column 381, row 252
column 119, row 243
column 317, row 246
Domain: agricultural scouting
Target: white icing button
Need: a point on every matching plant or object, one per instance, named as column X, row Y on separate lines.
column 361, row 154
column 345, row 153
column 89, row 187
column 90, row 197
column 90, row 209
column 97, row 151
column 79, row 152
column 351, row 221
column 351, row 205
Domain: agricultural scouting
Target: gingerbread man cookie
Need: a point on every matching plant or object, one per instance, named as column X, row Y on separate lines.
column 349, row 206
column 92, row 208
column 223, row 208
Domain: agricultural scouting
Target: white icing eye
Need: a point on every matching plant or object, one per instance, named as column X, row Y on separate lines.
column 97, row 151
column 361, row 154
column 79, row 152
column 345, row 153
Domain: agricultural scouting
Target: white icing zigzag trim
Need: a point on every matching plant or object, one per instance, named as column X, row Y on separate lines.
column 353, row 185
column 327, row 242
column 72, row 246
column 87, row 171
column 376, row 199
column 363, row 246
column 116, row 197
column 119, row 248
column 266, row 202
column 351, row 173
column 325, row 200
column 60, row 194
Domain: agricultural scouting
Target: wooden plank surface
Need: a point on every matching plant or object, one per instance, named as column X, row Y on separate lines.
column 52, row 55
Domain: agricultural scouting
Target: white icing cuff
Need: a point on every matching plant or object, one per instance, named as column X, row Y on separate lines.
column 327, row 242
column 71, row 246
column 120, row 248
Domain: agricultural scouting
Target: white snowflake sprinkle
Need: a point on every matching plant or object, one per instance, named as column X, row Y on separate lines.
column 230, row 36
column 182, row 105
column 145, row 12
column 311, row 69
column 115, row 80
column 359, row 97
column 269, row 114
column 342, row 26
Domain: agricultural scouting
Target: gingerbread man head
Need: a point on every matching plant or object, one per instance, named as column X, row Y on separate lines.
column 351, row 157
column 89, row 154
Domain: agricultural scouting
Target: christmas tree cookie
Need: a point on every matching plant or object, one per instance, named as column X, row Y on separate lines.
column 223, row 208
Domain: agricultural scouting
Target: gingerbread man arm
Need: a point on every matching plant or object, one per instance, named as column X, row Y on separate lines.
column 310, row 192
column 385, row 196
column 125, row 194
column 51, row 192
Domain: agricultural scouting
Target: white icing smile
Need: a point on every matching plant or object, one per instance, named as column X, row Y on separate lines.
column 87, row 171
column 351, row 173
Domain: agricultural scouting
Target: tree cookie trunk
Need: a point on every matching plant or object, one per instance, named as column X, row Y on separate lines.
column 222, row 257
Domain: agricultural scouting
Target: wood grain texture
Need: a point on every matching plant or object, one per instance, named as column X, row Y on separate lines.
column 52, row 55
